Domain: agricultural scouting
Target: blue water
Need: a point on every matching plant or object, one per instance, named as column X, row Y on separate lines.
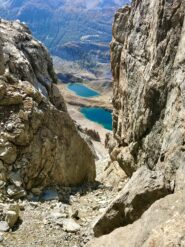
column 82, row 91
column 98, row 115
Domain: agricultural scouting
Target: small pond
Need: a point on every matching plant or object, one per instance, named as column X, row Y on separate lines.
column 98, row 115
column 82, row 91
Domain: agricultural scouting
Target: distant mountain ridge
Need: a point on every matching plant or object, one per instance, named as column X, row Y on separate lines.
column 62, row 25
column 77, row 4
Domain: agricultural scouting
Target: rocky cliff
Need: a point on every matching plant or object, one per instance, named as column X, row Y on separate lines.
column 148, row 64
column 39, row 143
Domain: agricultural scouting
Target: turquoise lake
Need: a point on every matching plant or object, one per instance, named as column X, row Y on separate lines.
column 98, row 115
column 82, row 91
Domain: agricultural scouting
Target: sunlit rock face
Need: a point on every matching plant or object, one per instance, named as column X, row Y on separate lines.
column 148, row 64
column 25, row 58
column 39, row 143
column 147, row 58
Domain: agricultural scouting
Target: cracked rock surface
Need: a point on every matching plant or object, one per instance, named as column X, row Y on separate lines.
column 148, row 65
column 39, row 143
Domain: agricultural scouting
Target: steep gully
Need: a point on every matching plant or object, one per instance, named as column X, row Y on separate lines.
column 42, row 152
column 147, row 151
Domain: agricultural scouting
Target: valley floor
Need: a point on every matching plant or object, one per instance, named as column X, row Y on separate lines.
column 71, row 98
column 73, row 105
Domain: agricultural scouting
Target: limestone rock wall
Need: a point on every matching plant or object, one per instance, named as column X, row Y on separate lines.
column 148, row 63
column 39, row 143
column 148, row 66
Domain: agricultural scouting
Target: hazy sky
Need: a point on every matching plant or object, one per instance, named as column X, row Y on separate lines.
column 89, row 4
column 93, row 3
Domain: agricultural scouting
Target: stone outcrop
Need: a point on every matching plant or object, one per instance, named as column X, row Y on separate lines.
column 148, row 64
column 25, row 58
column 144, row 188
column 39, row 143
column 162, row 225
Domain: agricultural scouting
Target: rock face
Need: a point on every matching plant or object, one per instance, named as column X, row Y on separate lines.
column 39, row 143
column 148, row 64
column 25, row 58
column 144, row 188
column 161, row 226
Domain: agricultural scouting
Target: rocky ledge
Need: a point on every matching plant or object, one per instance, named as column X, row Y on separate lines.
column 39, row 143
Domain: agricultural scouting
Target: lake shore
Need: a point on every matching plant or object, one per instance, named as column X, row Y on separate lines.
column 79, row 118
column 103, row 101
column 74, row 103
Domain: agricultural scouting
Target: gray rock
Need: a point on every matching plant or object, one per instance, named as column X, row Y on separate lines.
column 4, row 227
column 8, row 151
column 2, row 184
column 113, row 176
column 15, row 192
column 144, row 188
column 39, row 143
column 10, row 127
column 37, row 191
column 148, row 70
column 162, row 225
column 55, row 215
column 1, row 238
column 12, row 214
column 11, row 218
column 15, row 178
column 69, row 225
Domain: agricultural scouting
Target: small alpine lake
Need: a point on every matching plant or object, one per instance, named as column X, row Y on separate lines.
column 82, row 90
column 98, row 115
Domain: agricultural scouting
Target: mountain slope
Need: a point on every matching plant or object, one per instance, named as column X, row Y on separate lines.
column 66, row 27
column 148, row 64
column 39, row 142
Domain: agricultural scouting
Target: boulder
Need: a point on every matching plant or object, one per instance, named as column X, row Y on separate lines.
column 15, row 192
column 12, row 214
column 4, row 227
column 69, row 225
column 162, row 225
column 11, row 218
column 144, row 188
